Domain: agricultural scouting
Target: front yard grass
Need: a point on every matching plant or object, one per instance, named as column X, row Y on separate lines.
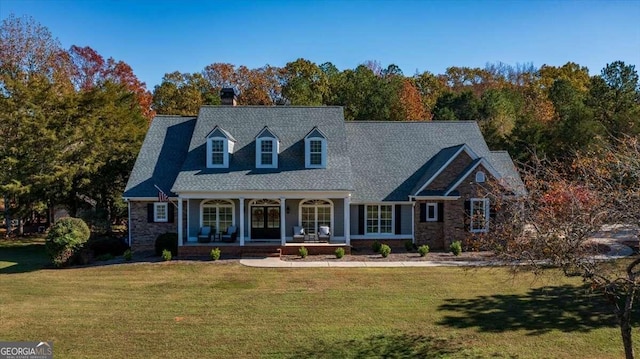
column 225, row 310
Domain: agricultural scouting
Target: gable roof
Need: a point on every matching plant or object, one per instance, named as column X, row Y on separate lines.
column 291, row 124
column 392, row 160
column 375, row 161
column 161, row 156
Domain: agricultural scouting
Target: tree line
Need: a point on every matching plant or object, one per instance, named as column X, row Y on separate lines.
column 72, row 121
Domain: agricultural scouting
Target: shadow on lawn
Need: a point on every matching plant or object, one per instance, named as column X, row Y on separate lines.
column 382, row 346
column 566, row 308
column 22, row 257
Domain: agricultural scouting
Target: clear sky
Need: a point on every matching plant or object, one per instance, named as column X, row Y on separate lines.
column 156, row 37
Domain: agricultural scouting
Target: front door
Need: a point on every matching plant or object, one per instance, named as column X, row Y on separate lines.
column 265, row 222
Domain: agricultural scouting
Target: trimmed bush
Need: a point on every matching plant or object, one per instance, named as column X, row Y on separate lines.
column 456, row 248
column 167, row 241
column 107, row 245
column 65, row 239
column 376, row 246
column 423, row 250
column 385, row 250
column 166, row 255
column 105, row 257
column 215, row 254
column 303, row 252
column 408, row 246
column 339, row 253
column 127, row 255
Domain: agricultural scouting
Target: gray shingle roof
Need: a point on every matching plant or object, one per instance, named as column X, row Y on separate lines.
column 376, row 161
column 502, row 162
column 161, row 156
column 390, row 160
column 291, row 124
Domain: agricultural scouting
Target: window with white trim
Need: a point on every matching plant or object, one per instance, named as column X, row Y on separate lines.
column 217, row 152
column 267, row 152
column 479, row 211
column 161, row 212
column 432, row 212
column 315, row 213
column 480, row 177
column 379, row 219
column 266, row 148
column 315, row 152
column 218, row 214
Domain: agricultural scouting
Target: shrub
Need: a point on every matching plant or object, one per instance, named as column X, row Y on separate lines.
column 376, row 246
column 105, row 257
column 385, row 250
column 107, row 245
column 166, row 255
column 339, row 253
column 456, row 248
column 65, row 239
column 303, row 252
column 215, row 254
column 408, row 245
column 167, row 241
column 127, row 255
column 423, row 250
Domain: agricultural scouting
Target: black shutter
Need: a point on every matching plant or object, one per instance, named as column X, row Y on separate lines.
column 440, row 212
column 423, row 212
column 467, row 215
column 170, row 214
column 492, row 211
column 398, row 219
column 150, row 212
column 361, row 219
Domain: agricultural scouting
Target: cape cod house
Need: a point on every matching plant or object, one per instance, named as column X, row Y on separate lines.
column 245, row 176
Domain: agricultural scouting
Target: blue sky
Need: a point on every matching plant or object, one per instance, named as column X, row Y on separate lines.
column 156, row 37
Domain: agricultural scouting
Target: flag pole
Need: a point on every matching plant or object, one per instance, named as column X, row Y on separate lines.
column 168, row 200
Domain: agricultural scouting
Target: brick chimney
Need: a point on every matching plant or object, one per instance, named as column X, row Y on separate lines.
column 228, row 96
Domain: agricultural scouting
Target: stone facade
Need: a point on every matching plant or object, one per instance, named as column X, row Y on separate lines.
column 453, row 170
column 144, row 233
column 455, row 224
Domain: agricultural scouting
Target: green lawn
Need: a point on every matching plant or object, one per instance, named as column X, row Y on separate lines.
column 225, row 310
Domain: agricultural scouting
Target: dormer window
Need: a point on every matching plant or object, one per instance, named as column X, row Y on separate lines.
column 267, row 148
column 315, row 153
column 220, row 145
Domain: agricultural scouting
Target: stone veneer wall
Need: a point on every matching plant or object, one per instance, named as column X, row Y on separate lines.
column 454, row 227
column 143, row 233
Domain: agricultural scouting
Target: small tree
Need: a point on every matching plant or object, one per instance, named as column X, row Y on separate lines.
column 563, row 207
column 66, row 237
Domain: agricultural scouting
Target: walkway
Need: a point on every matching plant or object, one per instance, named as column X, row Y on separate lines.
column 613, row 237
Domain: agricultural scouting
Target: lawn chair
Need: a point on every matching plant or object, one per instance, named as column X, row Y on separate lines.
column 230, row 235
column 298, row 234
column 204, row 235
column 324, row 235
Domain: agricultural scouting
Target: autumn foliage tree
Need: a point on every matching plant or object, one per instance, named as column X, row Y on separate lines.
column 552, row 224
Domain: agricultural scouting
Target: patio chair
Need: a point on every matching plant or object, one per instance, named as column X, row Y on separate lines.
column 298, row 234
column 230, row 235
column 324, row 235
column 204, row 235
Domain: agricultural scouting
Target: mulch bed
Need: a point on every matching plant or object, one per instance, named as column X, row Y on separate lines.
column 395, row 256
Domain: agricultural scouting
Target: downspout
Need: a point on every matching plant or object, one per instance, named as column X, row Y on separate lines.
column 129, row 220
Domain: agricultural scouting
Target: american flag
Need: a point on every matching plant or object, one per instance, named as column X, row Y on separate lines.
column 162, row 197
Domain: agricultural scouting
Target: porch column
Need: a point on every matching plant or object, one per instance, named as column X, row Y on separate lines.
column 413, row 223
column 180, row 238
column 241, row 221
column 283, row 224
column 347, row 220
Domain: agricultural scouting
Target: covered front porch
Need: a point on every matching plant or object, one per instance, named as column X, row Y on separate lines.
column 263, row 219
